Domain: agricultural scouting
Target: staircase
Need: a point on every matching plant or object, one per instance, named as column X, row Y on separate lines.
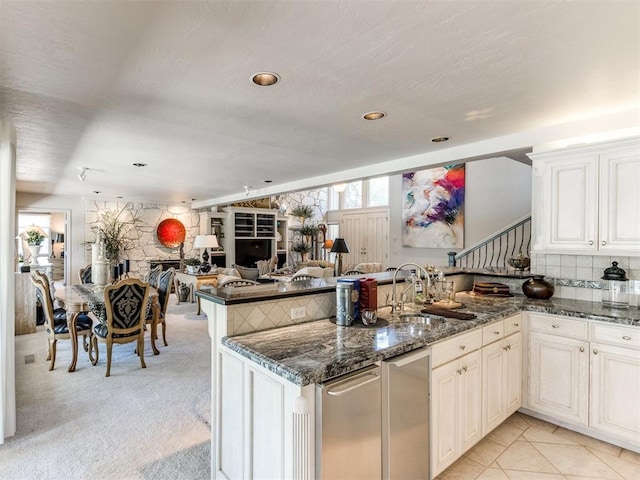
column 493, row 252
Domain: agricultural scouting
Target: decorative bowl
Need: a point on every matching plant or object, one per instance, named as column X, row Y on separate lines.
column 519, row 262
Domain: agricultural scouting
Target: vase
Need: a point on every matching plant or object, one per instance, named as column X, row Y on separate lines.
column 538, row 288
column 35, row 251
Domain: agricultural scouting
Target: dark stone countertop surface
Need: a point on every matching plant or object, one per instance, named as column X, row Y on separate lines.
column 316, row 351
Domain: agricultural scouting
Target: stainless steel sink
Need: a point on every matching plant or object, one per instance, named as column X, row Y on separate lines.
column 422, row 319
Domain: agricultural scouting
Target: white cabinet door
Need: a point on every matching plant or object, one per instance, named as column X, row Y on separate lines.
column 501, row 381
column 456, row 396
column 615, row 392
column 513, row 390
column 620, row 201
column 494, row 360
column 559, row 377
column 570, row 193
column 444, row 416
column 470, row 400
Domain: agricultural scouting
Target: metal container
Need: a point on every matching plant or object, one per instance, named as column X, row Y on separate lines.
column 344, row 304
column 355, row 295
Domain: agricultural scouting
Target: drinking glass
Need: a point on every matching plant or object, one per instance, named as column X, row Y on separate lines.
column 369, row 317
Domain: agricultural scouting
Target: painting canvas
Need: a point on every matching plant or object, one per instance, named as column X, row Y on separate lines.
column 433, row 208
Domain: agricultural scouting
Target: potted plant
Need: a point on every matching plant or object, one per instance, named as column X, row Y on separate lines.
column 301, row 247
column 34, row 237
column 193, row 265
column 115, row 233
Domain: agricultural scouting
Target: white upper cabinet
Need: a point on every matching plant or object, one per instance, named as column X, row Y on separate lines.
column 586, row 199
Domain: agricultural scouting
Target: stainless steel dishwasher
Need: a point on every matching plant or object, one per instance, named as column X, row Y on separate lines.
column 348, row 432
column 405, row 416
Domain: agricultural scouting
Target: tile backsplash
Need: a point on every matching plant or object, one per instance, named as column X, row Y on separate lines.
column 578, row 277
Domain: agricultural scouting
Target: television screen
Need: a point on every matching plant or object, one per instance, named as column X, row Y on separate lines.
column 250, row 250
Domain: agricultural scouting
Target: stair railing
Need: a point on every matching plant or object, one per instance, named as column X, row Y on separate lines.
column 494, row 251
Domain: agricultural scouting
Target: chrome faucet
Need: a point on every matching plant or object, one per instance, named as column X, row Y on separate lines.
column 397, row 304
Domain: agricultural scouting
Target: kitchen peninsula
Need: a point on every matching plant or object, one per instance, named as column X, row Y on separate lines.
column 265, row 370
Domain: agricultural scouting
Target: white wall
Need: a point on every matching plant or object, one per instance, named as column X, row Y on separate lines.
column 497, row 192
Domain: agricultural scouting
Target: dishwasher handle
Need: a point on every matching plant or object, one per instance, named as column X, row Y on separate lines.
column 403, row 360
column 366, row 379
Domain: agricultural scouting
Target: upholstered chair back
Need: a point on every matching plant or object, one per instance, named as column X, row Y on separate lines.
column 126, row 304
column 165, row 279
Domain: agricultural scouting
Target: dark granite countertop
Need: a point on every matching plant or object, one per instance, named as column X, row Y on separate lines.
column 317, row 351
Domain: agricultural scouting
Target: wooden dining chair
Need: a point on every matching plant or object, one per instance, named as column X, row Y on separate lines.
column 303, row 276
column 126, row 308
column 158, row 315
column 353, row 272
column 154, row 274
column 85, row 274
column 56, row 320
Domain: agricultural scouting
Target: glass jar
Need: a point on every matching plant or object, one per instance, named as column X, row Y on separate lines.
column 615, row 293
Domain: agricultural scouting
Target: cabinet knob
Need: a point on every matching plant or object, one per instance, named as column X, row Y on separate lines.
column 505, row 348
column 555, row 326
column 626, row 337
column 603, row 243
column 595, row 351
column 590, row 242
column 516, row 324
column 459, row 371
column 497, row 333
column 582, row 349
column 462, row 347
column 464, row 369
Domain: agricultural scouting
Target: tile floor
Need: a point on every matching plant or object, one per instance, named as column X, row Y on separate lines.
column 525, row 448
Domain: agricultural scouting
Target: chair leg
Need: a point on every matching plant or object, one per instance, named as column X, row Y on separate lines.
column 141, row 350
column 164, row 332
column 52, row 352
column 85, row 342
column 93, row 344
column 109, row 346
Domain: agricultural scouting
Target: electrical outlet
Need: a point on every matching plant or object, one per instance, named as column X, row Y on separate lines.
column 298, row 313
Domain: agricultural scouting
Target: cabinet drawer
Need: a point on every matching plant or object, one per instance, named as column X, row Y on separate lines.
column 557, row 325
column 621, row 335
column 492, row 332
column 512, row 324
column 455, row 347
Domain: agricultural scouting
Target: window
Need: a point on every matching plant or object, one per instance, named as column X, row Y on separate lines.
column 353, row 195
column 378, row 192
column 360, row 194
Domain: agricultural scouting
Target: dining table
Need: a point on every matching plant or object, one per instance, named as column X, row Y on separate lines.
column 87, row 297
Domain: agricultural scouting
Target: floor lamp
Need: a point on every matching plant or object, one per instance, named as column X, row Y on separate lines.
column 204, row 242
column 339, row 247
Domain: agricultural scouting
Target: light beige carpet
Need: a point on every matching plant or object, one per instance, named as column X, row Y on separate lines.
column 151, row 423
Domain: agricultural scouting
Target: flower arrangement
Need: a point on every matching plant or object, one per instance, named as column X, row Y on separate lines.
column 115, row 234
column 33, row 237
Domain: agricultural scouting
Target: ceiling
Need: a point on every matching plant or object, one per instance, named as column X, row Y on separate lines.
column 102, row 85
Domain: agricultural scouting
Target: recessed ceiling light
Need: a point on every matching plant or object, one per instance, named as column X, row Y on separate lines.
column 138, row 164
column 268, row 181
column 119, row 196
column 265, row 79
column 97, row 192
column 374, row 115
column 440, row 139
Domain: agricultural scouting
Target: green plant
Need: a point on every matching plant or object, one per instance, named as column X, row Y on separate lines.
column 115, row 233
column 304, row 212
column 308, row 230
column 34, row 237
column 192, row 261
column 301, row 247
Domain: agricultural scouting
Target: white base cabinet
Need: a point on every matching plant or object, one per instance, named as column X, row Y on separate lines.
column 586, row 376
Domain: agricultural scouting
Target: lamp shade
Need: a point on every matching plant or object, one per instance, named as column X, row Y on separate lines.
column 205, row 241
column 339, row 246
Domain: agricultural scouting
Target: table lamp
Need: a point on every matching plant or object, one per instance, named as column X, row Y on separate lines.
column 204, row 242
column 339, row 247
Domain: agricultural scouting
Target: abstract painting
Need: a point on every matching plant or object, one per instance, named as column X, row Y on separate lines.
column 433, row 207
